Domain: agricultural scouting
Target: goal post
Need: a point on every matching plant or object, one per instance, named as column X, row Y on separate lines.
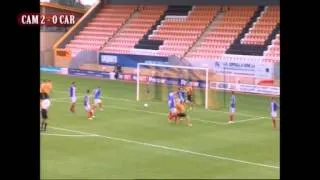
column 155, row 81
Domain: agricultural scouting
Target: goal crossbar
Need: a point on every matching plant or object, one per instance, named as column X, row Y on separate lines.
column 172, row 66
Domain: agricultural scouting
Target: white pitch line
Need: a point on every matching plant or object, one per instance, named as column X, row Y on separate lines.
column 251, row 119
column 241, row 114
column 130, row 100
column 170, row 148
column 69, row 135
column 61, row 98
column 150, row 112
column 213, row 122
column 113, row 98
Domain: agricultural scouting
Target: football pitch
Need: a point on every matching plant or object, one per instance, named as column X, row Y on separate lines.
column 130, row 141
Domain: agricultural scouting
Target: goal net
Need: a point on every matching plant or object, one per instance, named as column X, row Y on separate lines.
column 155, row 81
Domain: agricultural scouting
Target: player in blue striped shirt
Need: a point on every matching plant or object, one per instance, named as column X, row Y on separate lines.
column 182, row 94
column 232, row 107
column 274, row 108
column 87, row 105
column 73, row 98
column 97, row 98
column 172, row 107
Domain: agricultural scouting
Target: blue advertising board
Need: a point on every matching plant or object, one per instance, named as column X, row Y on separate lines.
column 79, row 72
column 50, row 69
column 248, row 88
column 53, row 69
column 131, row 77
column 128, row 60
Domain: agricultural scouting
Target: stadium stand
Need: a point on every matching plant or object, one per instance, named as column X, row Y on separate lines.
column 188, row 32
column 215, row 42
column 273, row 52
column 263, row 26
column 101, row 28
column 258, row 33
column 217, row 33
column 146, row 17
column 179, row 33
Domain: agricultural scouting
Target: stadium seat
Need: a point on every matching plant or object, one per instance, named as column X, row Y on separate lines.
column 135, row 29
column 101, row 28
column 273, row 52
column 263, row 26
column 223, row 34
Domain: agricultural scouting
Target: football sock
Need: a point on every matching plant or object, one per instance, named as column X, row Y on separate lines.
column 274, row 124
column 42, row 125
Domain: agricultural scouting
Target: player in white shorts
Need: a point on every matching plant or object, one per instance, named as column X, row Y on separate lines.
column 97, row 99
column 73, row 98
column 232, row 108
column 87, row 106
column 274, row 108
column 44, row 104
column 172, row 107
column 182, row 94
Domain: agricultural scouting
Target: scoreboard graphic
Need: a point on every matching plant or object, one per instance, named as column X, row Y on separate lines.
column 52, row 19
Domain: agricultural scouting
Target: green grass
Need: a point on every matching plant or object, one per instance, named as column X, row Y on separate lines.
column 137, row 142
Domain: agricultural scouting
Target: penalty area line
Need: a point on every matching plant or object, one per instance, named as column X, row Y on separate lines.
column 163, row 114
column 69, row 135
column 171, row 148
column 130, row 100
column 250, row 119
column 149, row 112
